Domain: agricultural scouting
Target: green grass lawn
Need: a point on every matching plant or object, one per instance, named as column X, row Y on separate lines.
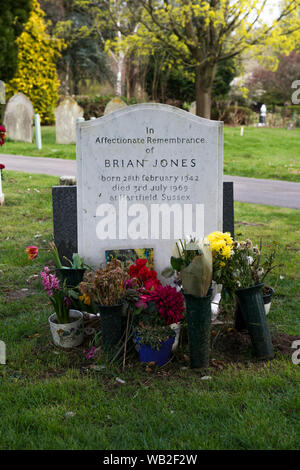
column 260, row 153
column 246, row 405
column 50, row 148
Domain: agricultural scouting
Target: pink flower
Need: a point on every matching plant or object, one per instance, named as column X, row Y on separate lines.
column 169, row 302
column 89, row 354
column 50, row 282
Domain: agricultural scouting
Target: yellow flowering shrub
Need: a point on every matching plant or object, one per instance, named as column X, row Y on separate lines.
column 36, row 76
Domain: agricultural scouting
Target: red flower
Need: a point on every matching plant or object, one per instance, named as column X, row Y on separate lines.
column 141, row 271
column 133, row 270
column 169, row 302
column 2, row 166
column 32, row 252
column 140, row 263
column 152, row 284
column 2, row 134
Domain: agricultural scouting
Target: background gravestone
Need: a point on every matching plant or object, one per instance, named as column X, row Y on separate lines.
column 147, row 161
column 18, row 118
column 2, row 100
column 193, row 108
column 65, row 121
column 2, row 92
column 114, row 105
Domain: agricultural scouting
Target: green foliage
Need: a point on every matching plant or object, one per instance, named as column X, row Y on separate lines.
column 93, row 106
column 203, row 34
column 76, row 263
column 154, row 336
column 37, row 76
column 13, row 16
column 83, row 57
column 238, row 115
column 177, row 83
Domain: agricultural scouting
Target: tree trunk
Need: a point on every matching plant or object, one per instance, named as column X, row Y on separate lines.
column 204, row 80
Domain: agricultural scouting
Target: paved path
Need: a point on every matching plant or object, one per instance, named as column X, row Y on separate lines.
column 257, row 191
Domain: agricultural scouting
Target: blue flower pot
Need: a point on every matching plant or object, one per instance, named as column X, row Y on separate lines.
column 160, row 357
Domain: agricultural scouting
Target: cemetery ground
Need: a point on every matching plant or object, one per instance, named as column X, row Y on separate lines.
column 53, row 399
column 259, row 153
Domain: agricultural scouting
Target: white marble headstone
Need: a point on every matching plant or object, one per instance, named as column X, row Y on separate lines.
column 66, row 115
column 18, row 118
column 147, row 175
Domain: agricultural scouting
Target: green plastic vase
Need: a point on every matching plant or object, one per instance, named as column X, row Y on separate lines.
column 198, row 311
column 111, row 324
column 252, row 307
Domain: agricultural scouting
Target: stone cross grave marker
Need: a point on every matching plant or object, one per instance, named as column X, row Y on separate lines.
column 18, row 118
column 66, row 115
column 147, row 175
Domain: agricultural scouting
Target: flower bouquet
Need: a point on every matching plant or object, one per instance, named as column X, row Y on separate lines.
column 106, row 288
column 242, row 273
column 157, row 309
column 192, row 261
column 66, row 324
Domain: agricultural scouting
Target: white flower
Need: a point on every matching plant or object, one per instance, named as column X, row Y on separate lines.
column 177, row 250
column 250, row 259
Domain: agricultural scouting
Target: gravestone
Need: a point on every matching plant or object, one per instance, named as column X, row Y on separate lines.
column 18, row 118
column 147, row 175
column 193, row 107
column 64, row 202
column 114, row 105
column 2, row 353
column 66, row 114
column 2, row 92
column 64, row 199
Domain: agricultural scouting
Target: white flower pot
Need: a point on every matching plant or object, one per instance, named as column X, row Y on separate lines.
column 176, row 327
column 67, row 335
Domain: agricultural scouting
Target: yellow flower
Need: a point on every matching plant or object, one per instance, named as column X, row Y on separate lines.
column 86, row 299
column 222, row 264
column 221, row 243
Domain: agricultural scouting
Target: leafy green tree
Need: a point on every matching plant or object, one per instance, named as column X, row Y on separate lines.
column 274, row 87
column 83, row 57
column 178, row 83
column 36, row 76
column 112, row 22
column 13, row 16
column 202, row 33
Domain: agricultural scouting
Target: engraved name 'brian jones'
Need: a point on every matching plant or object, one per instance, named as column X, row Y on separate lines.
column 163, row 163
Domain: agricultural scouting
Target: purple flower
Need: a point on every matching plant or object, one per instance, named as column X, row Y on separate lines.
column 89, row 354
